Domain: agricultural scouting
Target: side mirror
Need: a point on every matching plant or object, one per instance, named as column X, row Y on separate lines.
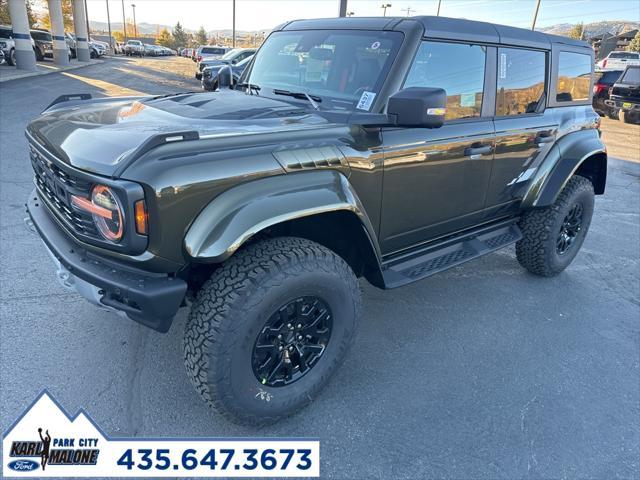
column 225, row 77
column 418, row 107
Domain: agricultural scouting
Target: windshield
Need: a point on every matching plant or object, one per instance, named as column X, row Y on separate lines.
column 344, row 68
column 212, row 51
column 45, row 36
column 625, row 55
column 230, row 54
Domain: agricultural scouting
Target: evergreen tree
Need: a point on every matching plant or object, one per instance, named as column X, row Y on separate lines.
column 201, row 36
column 179, row 36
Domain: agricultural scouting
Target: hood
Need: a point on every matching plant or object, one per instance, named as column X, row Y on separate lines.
column 98, row 135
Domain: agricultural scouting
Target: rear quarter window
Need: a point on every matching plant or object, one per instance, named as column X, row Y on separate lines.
column 632, row 75
column 574, row 77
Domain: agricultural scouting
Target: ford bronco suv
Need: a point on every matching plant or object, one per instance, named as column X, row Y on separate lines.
column 382, row 148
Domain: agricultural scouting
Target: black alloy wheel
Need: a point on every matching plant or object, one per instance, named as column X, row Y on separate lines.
column 292, row 341
column 569, row 230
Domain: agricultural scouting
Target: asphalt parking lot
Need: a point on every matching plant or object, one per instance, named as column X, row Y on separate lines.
column 484, row 371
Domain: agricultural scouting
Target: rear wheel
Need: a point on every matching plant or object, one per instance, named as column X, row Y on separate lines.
column 630, row 117
column 269, row 328
column 552, row 236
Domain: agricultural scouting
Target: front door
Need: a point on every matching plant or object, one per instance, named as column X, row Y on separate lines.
column 435, row 180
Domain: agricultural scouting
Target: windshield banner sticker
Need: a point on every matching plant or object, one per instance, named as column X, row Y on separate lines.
column 45, row 441
column 366, row 100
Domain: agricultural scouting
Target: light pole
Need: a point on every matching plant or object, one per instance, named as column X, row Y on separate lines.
column 135, row 25
column 233, row 41
column 109, row 24
column 384, row 7
column 535, row 15
column 408, row 10
column 439, row 4
column 124, row 23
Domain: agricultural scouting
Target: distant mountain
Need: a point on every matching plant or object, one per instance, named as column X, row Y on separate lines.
column 143, row 28
column 613, row 27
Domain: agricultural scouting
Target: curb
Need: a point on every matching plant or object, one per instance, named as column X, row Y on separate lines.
column 46, row 71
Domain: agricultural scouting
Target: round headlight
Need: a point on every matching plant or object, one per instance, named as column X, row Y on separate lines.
column 110, row 227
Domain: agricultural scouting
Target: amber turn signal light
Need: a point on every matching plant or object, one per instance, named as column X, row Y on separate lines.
column 141, row 217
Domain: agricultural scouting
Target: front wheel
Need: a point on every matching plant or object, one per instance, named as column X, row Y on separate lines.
column 552, row 236
column 11, row 60
column 270, row 327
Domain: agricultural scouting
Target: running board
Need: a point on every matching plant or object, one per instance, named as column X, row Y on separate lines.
column 450, row 253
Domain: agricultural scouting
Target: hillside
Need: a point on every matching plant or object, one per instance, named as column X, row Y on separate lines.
column 613, row 27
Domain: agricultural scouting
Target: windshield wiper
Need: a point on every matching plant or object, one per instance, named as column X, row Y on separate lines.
column 313, row 99
column 251, row 87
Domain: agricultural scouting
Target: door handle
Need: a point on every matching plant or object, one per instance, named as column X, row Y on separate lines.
column 476, row 152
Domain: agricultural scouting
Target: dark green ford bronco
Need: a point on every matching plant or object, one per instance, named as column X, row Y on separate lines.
column 383, row 148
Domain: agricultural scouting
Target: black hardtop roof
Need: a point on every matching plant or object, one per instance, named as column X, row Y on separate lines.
column 442, row 27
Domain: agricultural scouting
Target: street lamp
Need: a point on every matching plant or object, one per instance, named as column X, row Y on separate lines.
column 384, row 7
column 135, row 25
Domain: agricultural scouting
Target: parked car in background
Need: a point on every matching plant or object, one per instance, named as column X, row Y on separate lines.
column 97, row 49
column 7, row 44
column 134, row 47
column 209, row 76
column 1, row 57
column 43, row 44
column 618, row 60
column 150, row 50
column 71, row 43
column 210, row 52
column 603, row 82
column 625, row 94
column 232, row 57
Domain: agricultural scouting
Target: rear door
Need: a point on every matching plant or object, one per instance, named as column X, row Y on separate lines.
column 523, row 132
column 435, row 180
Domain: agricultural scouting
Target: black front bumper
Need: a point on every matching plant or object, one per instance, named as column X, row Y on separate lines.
column 148, row 298
column 626, row 105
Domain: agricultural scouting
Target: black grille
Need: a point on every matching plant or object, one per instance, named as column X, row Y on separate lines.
column 56, row 187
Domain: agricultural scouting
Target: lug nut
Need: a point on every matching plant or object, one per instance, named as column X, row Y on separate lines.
column 291, row 349
column 280, row 336
column 289, row 325
column 280, row 348
column 299, row 325
column 299, row 337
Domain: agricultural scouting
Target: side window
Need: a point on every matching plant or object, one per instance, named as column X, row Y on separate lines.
column 574, row 77
column 521, row 81
column 456, row 67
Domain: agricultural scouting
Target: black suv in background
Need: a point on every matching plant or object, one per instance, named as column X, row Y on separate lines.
column 601, row 89
column 388, row 149
column 625, row 94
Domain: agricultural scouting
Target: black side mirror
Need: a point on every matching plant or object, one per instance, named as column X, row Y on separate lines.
column 225, row 77
column 418, row 107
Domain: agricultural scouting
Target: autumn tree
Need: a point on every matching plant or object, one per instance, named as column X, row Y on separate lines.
column 577, row 31
column 5, row 17
column 634, row 45
column 67, row 16
column 165, row 39
column 201, row 36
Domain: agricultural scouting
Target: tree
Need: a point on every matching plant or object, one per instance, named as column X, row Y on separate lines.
column 119, row 36
column 634, row 45
column 5, row 17
column 201, row 36
column 165, row 39
column 179, row 36
column 67, row 16
column 577, row 31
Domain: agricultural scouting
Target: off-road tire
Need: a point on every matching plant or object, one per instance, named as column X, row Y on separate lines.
column 537, row 251
column 233, row 306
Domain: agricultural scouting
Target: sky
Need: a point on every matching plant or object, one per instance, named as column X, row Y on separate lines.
column 266, row 14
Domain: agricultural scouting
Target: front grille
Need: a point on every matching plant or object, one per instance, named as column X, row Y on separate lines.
column 56, row 187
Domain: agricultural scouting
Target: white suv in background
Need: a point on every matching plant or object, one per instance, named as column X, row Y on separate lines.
column 618, row 60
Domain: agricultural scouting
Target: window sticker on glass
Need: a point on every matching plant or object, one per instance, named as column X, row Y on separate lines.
column 467, row 99
column 375, row 45
column 366, row 100
column 503, row 65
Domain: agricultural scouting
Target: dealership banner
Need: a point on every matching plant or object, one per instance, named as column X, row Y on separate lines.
column 47, row 442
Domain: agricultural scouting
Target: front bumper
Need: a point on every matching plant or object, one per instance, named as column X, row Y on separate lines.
column 148, row 298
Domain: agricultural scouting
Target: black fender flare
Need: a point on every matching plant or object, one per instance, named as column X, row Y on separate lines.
column 237, row 214
column 561, row 163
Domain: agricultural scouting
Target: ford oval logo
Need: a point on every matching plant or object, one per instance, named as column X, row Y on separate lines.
column 23, row 465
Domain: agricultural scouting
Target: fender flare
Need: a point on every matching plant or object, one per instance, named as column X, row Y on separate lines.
column 237, row 214
column 562, row 161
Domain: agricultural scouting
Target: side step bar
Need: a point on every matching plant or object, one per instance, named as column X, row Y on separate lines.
column 450, row 253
